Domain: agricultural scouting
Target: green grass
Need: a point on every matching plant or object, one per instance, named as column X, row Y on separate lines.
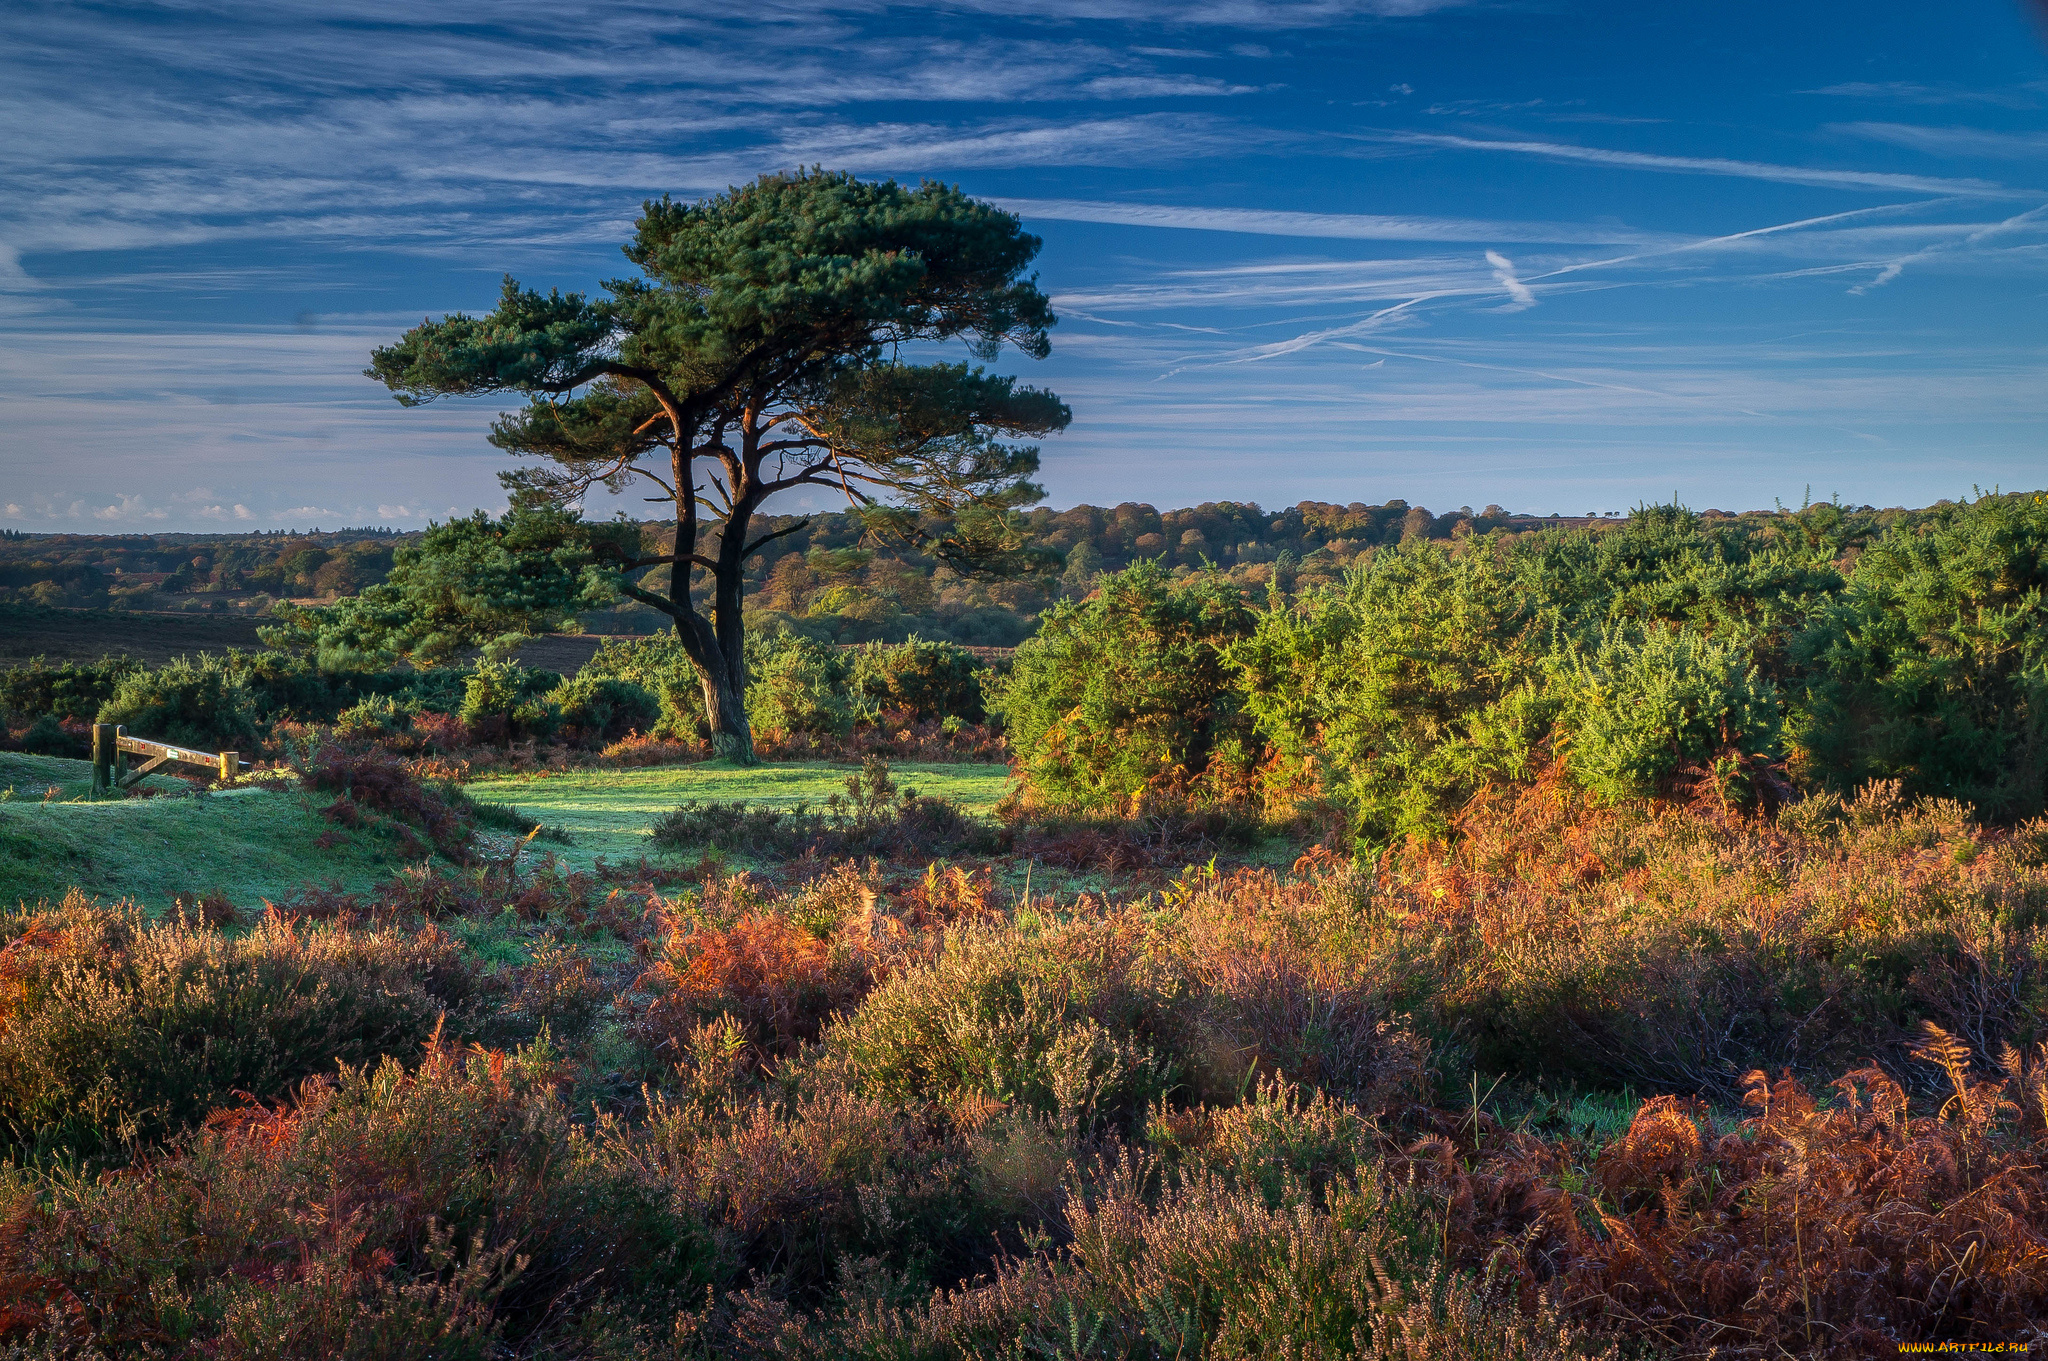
column 249, row 844
column 609, row 813
column 23, row 777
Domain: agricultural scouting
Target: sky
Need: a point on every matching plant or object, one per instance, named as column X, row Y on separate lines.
column 1555, row 255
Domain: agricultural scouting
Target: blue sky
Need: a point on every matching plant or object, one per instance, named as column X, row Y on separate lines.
column 1560, row 256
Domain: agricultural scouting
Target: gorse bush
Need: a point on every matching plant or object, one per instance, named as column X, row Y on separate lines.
column 598, row 710
column 1418, row 684
column 48, row 736
column 1647, row 702
column 1126, row 692
column 1932, row 667
column 67, row 690
column 925, row 680
column 659, row 665
column 502, row 701
column 201, row 704
column 797, row 686
column 1653, row 656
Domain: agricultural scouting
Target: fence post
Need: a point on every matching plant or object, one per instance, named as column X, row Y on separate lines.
column 120, row 756
column 230, row 766
column 102, row 757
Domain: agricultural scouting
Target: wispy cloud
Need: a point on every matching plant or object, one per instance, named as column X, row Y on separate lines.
column 1333, row 226
column 2018, row 146
column 1709, row 165
column 1918, row 92
column 1520, row 295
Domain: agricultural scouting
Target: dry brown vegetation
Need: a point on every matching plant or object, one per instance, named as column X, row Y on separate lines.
column 888, row 1108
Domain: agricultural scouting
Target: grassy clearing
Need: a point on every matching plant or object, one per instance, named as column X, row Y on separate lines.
column 247, row 844
column 23, row 777
column 610, row 813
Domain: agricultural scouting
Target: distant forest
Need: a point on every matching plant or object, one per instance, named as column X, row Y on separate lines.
column 828, row 579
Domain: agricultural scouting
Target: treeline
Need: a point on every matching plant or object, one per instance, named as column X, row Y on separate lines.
column 827, row 577
column 154, row 571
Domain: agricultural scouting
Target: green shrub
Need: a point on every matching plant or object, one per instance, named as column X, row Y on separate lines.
column 47, row 737
column 1126, row 692
column 201, row 704
column 372, row 716
column 797, row 686
column 659, row 665
column 603, row 709
column 1405, row 691
column 1932, row 667
column 68, row 690
column 503, row 700
column 1647, row 703
column 930, row 680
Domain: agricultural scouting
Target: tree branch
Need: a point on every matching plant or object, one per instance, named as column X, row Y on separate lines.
column 766, row 539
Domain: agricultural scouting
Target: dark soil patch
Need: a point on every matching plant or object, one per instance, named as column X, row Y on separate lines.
column 86, row 635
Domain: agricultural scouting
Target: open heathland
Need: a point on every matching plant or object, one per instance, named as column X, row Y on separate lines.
column 1624, row 943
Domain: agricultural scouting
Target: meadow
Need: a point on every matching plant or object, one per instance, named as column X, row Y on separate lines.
column 1516, row 951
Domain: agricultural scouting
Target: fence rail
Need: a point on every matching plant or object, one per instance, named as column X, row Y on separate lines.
column 111, row 747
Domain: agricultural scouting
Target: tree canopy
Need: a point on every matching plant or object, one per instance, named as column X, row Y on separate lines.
column 761, row 350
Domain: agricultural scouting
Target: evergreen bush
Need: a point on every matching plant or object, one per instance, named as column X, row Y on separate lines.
column 1127, row 692
column 927, row 679
column 1932, row 666
column 193, row 703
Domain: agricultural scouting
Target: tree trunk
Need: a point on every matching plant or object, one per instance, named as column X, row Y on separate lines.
column 725, row 705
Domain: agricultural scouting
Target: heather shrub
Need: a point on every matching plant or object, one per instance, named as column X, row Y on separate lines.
column 450, row 1210
column 777, row 980
column 1673, row 949
column 1127, row 692
column 373, row 787
column 118, row 1030
column 817, row 1192
column 201, row 704
column 1195, row 1267
column 1073, row 1021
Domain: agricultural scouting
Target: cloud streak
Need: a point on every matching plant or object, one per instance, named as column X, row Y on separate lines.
column 1324, row 226
column 1711, row 165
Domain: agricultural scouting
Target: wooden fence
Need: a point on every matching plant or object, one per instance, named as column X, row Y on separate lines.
column 111, row 746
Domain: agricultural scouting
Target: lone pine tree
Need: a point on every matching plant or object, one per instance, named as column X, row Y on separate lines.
column 761, row 351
